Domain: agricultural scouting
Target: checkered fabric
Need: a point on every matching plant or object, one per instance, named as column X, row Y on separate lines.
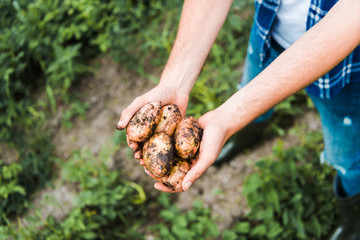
column 331, row 83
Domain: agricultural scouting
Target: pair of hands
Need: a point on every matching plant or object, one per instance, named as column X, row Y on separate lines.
column 212, row 141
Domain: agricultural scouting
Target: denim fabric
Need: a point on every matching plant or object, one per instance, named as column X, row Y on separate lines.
column 331, row 83
column 340, row 119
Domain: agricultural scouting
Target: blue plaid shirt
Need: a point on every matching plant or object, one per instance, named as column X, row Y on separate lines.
column 331, row 83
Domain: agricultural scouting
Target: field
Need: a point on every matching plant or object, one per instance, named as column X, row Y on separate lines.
column 68, row 69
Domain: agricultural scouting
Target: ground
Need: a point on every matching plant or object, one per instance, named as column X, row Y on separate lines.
column 109, row 91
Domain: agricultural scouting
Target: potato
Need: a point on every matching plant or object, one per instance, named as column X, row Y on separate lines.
column 158, row 154
column 170, row 119
column 187, row 137
column 143, row 124
column 177, row 174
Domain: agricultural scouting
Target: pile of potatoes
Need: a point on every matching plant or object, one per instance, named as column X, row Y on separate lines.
column 169, row 142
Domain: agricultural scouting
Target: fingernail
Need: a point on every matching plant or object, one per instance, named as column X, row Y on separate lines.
column 187, row 186
column 119, row 125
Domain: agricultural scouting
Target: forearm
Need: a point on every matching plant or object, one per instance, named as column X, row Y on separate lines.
column 313, row 55
column 200, row 23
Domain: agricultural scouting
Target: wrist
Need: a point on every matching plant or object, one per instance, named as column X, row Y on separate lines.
column 181, row 77
column 233, row 116
column 223, row 120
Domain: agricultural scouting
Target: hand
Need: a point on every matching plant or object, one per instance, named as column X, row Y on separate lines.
column 161, row 93
column 214, row 137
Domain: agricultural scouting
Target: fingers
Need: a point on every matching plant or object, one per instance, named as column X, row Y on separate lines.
column 152, row 176
column 211, row 144
column 132, row 144
column 161, row 187
column 195, row 172
column 137, row 149
column 138, row 154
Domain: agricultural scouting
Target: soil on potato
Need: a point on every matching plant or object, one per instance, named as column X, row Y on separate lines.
column 109, row 91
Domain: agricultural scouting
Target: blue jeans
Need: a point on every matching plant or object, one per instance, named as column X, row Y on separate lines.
column 340, row 120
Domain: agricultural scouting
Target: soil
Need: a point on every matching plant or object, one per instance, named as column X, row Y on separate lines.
column 109, row 91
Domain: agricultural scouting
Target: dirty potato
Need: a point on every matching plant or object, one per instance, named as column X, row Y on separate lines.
column 143, row 124
column 158, row 154
column 187, row 137
column 177, row 174
column 170, row 119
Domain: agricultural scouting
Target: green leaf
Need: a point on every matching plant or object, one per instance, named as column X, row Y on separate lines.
column 211, row 229
column 242, row 227
column 164, row 200
column 89, row 235
column 236, row 22
column 314, row 226
column 51, row 98
column 19, row 190
column 181, row 221
column 271, row 196
column 252, row 184
column 262, row 213
column 182, row 233
column 274, row 230
column 228, row 235
column 258, row 231
column 191, row 215
column 168, row 215
column 296, row 198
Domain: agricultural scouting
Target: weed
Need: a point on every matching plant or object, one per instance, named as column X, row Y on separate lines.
column 106, row 206
column 196, row 223
column 290, row 195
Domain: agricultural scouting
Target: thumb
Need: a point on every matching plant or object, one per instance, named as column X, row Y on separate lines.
column 212, row 141
column 207, row 156
column 194, row 173
column 129, row 111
